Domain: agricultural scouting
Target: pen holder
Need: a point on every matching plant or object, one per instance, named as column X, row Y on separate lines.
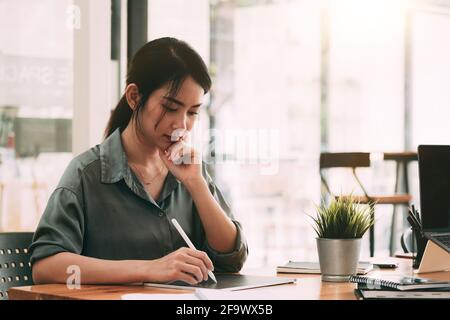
column 420, row 242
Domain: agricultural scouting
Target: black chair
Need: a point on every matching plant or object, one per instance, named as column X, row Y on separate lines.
column 15, row 267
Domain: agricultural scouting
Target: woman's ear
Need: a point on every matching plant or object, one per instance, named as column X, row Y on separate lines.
column 132, row 95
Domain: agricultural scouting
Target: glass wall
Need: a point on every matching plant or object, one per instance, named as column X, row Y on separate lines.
column 365, row 103
column 430, row 78
column 36, row 93
column 324, row 76
column 266, row 106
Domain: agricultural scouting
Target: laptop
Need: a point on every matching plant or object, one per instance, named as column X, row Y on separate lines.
column 434, row 179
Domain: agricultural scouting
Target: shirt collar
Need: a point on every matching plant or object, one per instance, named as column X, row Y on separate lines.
column 114, row 167
column 113, row 159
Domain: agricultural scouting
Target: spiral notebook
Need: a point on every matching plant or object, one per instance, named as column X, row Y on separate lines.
column 402, row 283
column 365, row 294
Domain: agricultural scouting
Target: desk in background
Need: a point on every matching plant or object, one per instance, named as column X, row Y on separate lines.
column 308, row 287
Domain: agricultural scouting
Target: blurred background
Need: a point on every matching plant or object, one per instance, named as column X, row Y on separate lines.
column 302, row 76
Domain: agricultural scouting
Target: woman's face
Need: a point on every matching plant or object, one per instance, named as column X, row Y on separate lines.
column 166, row 119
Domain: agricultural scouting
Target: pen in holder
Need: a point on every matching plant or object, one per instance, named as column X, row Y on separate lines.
column 421, row 242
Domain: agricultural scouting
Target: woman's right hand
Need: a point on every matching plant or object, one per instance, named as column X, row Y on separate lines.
column 184, row 264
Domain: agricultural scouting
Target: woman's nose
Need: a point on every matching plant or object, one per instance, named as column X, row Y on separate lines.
column 180, row 122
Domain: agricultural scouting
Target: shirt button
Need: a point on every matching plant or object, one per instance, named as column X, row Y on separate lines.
column 161, row 214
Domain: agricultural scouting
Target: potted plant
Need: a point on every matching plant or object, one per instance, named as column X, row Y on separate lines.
column 340, row 227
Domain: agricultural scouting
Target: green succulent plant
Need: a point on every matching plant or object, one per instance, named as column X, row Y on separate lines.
column 343, row 218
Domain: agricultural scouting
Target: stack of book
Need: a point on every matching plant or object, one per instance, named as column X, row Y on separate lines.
column 314, row 267
column 400, row 287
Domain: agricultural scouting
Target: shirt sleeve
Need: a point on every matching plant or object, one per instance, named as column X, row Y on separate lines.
column 61, row 227
column 234, row 260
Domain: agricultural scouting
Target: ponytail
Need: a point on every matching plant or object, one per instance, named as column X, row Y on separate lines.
column 120, row 117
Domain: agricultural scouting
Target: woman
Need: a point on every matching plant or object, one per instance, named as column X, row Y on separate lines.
column 111, row 212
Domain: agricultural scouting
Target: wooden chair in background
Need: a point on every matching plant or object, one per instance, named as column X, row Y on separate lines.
column 353, row 161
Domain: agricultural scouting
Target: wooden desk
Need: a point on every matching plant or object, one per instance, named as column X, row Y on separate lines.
column 308, row 287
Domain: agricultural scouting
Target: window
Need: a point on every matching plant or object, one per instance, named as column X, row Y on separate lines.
column 266, row 103
column 55, row 97
column 36, row 81
column 365, row 97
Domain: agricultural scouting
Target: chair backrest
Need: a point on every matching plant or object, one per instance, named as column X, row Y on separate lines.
column 344, row 160
column 15, row 267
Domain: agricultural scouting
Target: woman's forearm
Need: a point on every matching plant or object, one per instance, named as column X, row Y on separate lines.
column 220, row 231
column 57, row 269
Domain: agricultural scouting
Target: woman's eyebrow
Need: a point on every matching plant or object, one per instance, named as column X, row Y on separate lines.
column 179, row 102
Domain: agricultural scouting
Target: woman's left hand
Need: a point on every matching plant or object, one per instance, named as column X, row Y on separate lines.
column 183, row 161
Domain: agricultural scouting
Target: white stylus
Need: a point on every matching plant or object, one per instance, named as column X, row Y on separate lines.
column 190, row 244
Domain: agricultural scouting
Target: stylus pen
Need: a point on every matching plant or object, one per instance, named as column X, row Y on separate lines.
column 414, row 218
column 190, row 244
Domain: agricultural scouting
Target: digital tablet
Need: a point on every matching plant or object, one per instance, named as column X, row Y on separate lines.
column 226, row 281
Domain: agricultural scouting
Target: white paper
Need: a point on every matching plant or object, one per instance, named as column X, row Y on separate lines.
column 158, row 296
column 214, row 294
column 201, row 294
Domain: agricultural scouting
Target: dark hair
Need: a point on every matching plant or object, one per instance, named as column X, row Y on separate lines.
column 158, row 62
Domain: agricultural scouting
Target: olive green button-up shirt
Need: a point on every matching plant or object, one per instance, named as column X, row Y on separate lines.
column 100, row 209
